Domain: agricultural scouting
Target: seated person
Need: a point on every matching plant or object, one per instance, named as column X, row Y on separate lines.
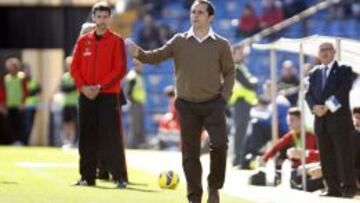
column 169, row 127
column 292, row 141
column 259, row 129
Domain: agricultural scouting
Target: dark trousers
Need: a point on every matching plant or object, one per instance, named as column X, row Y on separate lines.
column 29, row 116
column 137, row 132
column 193, row 118
column 4, row 135
column 241, row 120
column 15, row 122
column 336, row 157
column 258, row 134
column 101, row 136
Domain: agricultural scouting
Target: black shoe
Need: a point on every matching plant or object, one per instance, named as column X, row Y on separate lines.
column 349, row 194
column 121, row 184
column 213, row 196
column 295, row 185
column 84, row 183
column 331, row 194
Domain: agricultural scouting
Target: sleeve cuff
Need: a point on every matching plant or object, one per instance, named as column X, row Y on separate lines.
column 141, row 55
column 225, row 96
column 333, row 104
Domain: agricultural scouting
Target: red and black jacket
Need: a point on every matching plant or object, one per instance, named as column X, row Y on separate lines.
column 99, row 61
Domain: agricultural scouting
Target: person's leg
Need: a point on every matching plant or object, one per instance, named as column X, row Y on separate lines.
column 28, row 123
column 191, row 125
column 76, row 126
column 87, row 141
column 345, row 163
column 328, row 163
column 259, row 134
column 111, row 145
column 215, row 124
column 20, row 125
column 31, row 124
column 141, row 124
column 241, row 119
column 137, row 125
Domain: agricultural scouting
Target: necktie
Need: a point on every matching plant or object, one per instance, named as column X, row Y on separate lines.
column 324, row 76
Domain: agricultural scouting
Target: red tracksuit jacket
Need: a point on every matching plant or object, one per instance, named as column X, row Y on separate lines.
column 100, row 61
column 288, row 141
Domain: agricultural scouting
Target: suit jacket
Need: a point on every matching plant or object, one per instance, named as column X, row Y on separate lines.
column 338, row 84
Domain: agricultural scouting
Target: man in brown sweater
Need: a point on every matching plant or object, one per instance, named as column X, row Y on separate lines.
column 204, row 74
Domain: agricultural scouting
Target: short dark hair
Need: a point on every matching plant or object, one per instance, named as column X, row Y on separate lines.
column 9, row 56
column 101, row 6
column 210, row 7
column 294, row 111
column 356, row 110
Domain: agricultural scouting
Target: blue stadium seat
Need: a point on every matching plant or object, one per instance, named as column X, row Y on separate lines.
column 157, row 82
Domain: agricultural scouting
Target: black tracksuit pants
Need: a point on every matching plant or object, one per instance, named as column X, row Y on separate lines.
column 101, row 137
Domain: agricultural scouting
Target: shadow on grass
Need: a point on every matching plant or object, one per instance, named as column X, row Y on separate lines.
column 138, row 184
column 8, row 183
column 142, row 190
column 128, row 188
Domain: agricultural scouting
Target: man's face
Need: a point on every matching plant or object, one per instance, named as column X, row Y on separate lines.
column 101, row 19
column 294, row 123
column 199, row 16
column 12, row 65
column 326, row 53
column 287, row 71
column 356, row 120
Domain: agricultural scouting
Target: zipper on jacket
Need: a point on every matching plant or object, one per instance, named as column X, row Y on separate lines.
column 94, row 76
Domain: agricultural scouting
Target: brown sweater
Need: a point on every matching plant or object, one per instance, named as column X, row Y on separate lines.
column 202, row 70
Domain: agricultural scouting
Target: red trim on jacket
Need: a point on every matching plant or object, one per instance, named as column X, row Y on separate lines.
column 24, row 89
column 2, row 92
column 100, row 61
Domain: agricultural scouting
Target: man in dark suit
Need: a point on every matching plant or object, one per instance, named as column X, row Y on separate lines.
column 328, row 98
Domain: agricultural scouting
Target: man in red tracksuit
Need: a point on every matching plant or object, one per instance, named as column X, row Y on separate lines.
column 99, row 63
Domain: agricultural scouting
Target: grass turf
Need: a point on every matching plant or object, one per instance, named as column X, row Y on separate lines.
column 45, row 175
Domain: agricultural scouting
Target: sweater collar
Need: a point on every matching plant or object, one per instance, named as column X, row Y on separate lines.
column 210, row 34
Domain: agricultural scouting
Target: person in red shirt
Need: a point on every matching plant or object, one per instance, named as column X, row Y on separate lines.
column 99, row 64
column 292, row 141
column 169, row 126
column 272, row 14
column 248, row 22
